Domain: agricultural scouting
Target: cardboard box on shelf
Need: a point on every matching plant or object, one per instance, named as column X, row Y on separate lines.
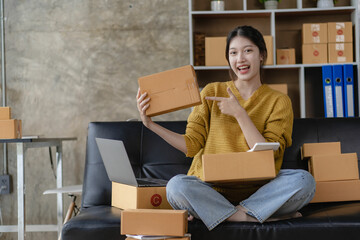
column 158, row 222
column 340, row 52
column 285, row 56
column 5, row 113
column 340, row 32
column 314, row 53
column 125, row 196
column 323, row 148
column 314, row 33
column 10, row 129
column 334, row 167
column 281, row 87
column 269, row 47
column 239, row 166
column 337, row 191
column 171, row 90
column 215, row 51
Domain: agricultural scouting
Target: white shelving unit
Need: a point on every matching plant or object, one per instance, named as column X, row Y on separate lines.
column 284, row 25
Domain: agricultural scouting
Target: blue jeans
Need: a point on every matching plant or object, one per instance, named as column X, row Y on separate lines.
column 287, row 193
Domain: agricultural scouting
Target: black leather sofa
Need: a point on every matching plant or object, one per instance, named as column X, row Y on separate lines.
column 152, row 157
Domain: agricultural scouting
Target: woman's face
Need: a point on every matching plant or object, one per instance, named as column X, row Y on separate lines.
column 245, row 59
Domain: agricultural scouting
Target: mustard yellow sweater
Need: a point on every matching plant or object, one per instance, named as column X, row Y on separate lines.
column 209, row 131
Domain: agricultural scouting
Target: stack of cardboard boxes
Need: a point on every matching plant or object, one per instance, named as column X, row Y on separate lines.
column 336, row 174
column 146, row 211
column 9, row 128
column 327, row 42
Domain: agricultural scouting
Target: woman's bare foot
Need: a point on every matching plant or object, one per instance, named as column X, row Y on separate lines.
column 190, row 218
column 241, row 216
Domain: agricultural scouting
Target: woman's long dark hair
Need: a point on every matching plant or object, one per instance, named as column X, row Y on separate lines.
column 253, row 35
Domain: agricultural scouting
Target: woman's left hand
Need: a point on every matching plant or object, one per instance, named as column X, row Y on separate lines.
column 229, row 106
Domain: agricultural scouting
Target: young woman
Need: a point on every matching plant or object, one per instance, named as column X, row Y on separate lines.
column 233, row 116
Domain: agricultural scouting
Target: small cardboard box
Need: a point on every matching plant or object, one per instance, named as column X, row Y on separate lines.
column 5, row 113
column 215, row 51
column 340, row 52
column 285, row 56
column 10, row 129
column 158, row 222
column 340, row 32
column 239, row 166
column 171, row 90
column 334, row 167
column 314, row 53
column 269, row 47
column 314, row 33
column 125, row 196
column 324, row 148
column 337, row 191
column 281, row 87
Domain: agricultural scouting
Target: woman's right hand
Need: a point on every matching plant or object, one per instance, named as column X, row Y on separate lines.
column 142, row 105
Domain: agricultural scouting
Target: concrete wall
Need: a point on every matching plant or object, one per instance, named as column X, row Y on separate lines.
column 75, row 61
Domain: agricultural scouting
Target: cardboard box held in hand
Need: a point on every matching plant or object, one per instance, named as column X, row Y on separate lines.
column 170, row 90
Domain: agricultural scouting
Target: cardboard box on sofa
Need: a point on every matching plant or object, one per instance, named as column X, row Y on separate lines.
column 314, row 33
column 171, row 90
column 340, row 52
column 125, row 196
column 337, row 191
column 239, row 166
column 10, row 129
column 5, row 113
column 285, row 56
column 215, row 51
column 158, row 222
column 314, row 53
column 323, row 148
column 334, row 167
column 340, row 32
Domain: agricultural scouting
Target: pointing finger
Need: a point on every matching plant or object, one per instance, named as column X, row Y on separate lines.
column 231, row 94
column 214, row 98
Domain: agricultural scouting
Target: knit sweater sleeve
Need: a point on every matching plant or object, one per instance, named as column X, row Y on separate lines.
column 198, row 125
column 278, row 127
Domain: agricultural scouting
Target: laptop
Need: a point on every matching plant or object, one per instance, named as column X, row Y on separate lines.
column 118, row 166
